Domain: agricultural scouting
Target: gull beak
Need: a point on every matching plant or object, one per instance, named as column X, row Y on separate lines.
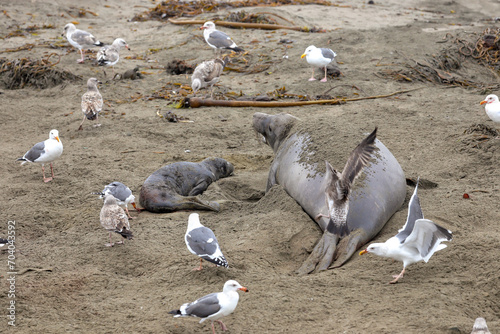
column 57, row 138
column 126, row 45
column 364, row 251
column 483, row 102
column 302, row 56
column 202, row 27
column 243, row 289
column 133, row 204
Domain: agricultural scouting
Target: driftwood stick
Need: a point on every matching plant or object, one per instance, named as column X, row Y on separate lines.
column 237, row 24
column 196, row 102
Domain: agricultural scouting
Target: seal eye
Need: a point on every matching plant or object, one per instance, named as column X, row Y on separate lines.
column 270, row 130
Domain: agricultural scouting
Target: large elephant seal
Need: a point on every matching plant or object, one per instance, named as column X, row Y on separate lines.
column 174, row 186
column 375, row 196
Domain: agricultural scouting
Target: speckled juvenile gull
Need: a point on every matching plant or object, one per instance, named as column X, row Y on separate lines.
column 110, row 54
column 218, row 39
column 318, row 57
column 201, row 241
column 207, row 74
column 417, row 241
column 80, row 39
column 492, row 107
column 45, row 152
column 122, row 193
column 114, row 219
column 91, row 102
column 338, row 185
column 213, row 306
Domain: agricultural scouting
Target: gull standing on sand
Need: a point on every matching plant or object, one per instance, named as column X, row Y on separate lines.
column 213, row 306
column 492, row 107
column 91, row 102
column 338, row 185
column 80, row 39
column 207, row 74
column 121, row 193
column 417, row 241
column 45, row 152
column 114, row 219
column 318, row 57
column 201, row 241
column 110, row 54
column 218, row 39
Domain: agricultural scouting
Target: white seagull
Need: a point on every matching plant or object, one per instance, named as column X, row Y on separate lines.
column 110, row 54
column 213, row 306
column 114, row 219
column 3, row 242
column 417, row 241
column 91, row 102
column 492, row 107
column 45, row 152
column 207, row 74
column 122, row 193
column 80, row 39
column 201, row 241
column 480, row 327
column 217, row 39
column 338, row 185
column 318, row 57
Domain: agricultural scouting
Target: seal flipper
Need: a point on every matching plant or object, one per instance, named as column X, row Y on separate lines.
column 322, row 255
column 348, row 246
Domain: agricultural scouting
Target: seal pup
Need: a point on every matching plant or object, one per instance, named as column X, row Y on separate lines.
column 213, row 306
column 80, row 39
column 338, row 185
column 201, row 241
column 91, row 102
column 207, row 74
column 176, row 186
column 492, row 107
column 318, row 57
column 218, row 39
column 110, row 54
column 45, row 152
column 417, row 241
column 122, row 193
column 114, row 219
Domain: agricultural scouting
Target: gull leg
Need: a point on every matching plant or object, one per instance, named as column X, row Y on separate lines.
column 96, row 119
column 128, row 214
column 324, row 79
column 224, row 328
column 321, row 215
column 110, row 243
column 45, row 179
column 82, row 59
column 81, row 124
column 396, row 277
column 213, row 328
column 312, row 76
column 199, row 268
column 51, row 170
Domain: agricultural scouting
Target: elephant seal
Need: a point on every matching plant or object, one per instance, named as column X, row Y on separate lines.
column 175, row 186
column 375, row 196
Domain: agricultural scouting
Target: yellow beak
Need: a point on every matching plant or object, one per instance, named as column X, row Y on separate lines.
column 364, row 251
column 57, row 138
column 303, row 56
column 482, row 102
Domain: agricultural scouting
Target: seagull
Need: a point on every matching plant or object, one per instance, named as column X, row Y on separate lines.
column 201, row 241
column 45, row 152
column 207, row 74
column 217, row 39
column 480, row 327
column 492, row 107
column 80, row 39
column 3, row 242
column 213, row 306
column 418, row 240
column 121, row 193
column 91, row 102
column 114, row 219
column 110, row 54
column 338, row 185
column 318, row 57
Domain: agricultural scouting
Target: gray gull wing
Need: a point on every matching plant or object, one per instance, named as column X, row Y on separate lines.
column 204, row 306
column 414, row 213
column 35, row 152
column 328, row 53
column 426, row 238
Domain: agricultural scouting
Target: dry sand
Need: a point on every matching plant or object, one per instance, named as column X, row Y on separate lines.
column 68, row 281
